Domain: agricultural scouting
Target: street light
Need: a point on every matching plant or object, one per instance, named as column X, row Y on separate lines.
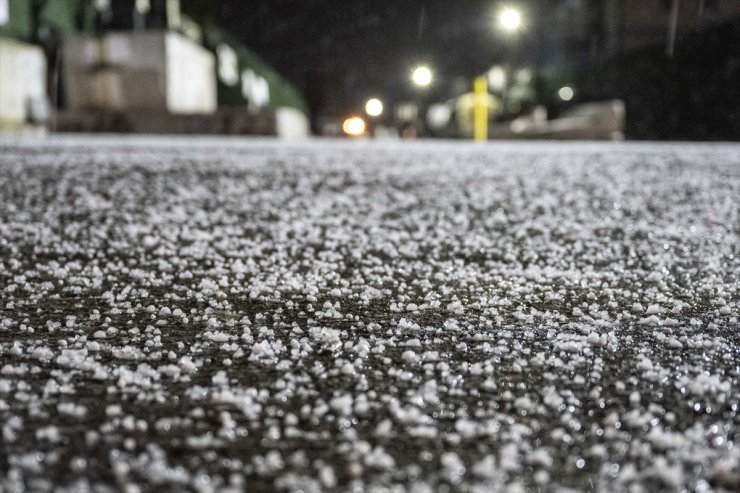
column 566, row 93
column 374, row 107
column 354, row 126
column 422, row 76
column 510, row 19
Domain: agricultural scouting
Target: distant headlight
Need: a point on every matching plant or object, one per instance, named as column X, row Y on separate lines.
column 354, row 126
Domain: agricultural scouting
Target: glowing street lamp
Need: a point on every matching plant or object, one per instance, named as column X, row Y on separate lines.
column 354, row 126
column 510, row 19
column 374, row 107
column 422, row 76
column 566, row 93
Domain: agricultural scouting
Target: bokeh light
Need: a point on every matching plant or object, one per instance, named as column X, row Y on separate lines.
column 566, row 93
column 422, row 76
column 354, row 126
column 510, row 19
column 374, row 107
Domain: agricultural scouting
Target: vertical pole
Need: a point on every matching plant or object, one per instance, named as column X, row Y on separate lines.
column 672, row 28
column 54, row 103
column 480, row 109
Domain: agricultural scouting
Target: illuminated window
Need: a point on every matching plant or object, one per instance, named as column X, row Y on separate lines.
column 255, row 88
column 228, row 65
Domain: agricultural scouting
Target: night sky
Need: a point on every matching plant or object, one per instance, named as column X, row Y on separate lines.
column 339, row 52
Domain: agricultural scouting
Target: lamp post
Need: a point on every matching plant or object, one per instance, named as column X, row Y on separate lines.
column 422, row 78
column 510, row 21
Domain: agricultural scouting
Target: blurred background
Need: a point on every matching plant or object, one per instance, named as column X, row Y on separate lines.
column 473, row 69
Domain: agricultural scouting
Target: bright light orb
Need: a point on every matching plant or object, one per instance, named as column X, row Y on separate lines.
column 566, row 93
column 354, row 126
column 422, row 76
column 374, row 107
column 510, row 19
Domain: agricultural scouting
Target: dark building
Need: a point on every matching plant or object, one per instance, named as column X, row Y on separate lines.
column 594, row 29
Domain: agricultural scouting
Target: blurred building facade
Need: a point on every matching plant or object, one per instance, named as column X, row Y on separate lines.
column 135, row 66
column 149, row 70
column 23, row 69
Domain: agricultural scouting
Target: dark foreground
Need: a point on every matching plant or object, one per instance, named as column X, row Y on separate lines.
column 221, row 315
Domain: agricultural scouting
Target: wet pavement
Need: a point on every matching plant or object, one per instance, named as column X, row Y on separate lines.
column 239, row 315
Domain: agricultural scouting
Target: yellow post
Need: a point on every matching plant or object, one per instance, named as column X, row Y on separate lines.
column 480, row 109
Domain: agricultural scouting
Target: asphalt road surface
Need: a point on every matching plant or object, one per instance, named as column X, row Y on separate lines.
column 230, row 315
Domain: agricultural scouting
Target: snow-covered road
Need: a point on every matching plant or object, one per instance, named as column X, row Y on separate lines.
column 239, row 315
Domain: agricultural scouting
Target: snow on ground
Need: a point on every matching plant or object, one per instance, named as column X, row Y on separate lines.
column 228, row 315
